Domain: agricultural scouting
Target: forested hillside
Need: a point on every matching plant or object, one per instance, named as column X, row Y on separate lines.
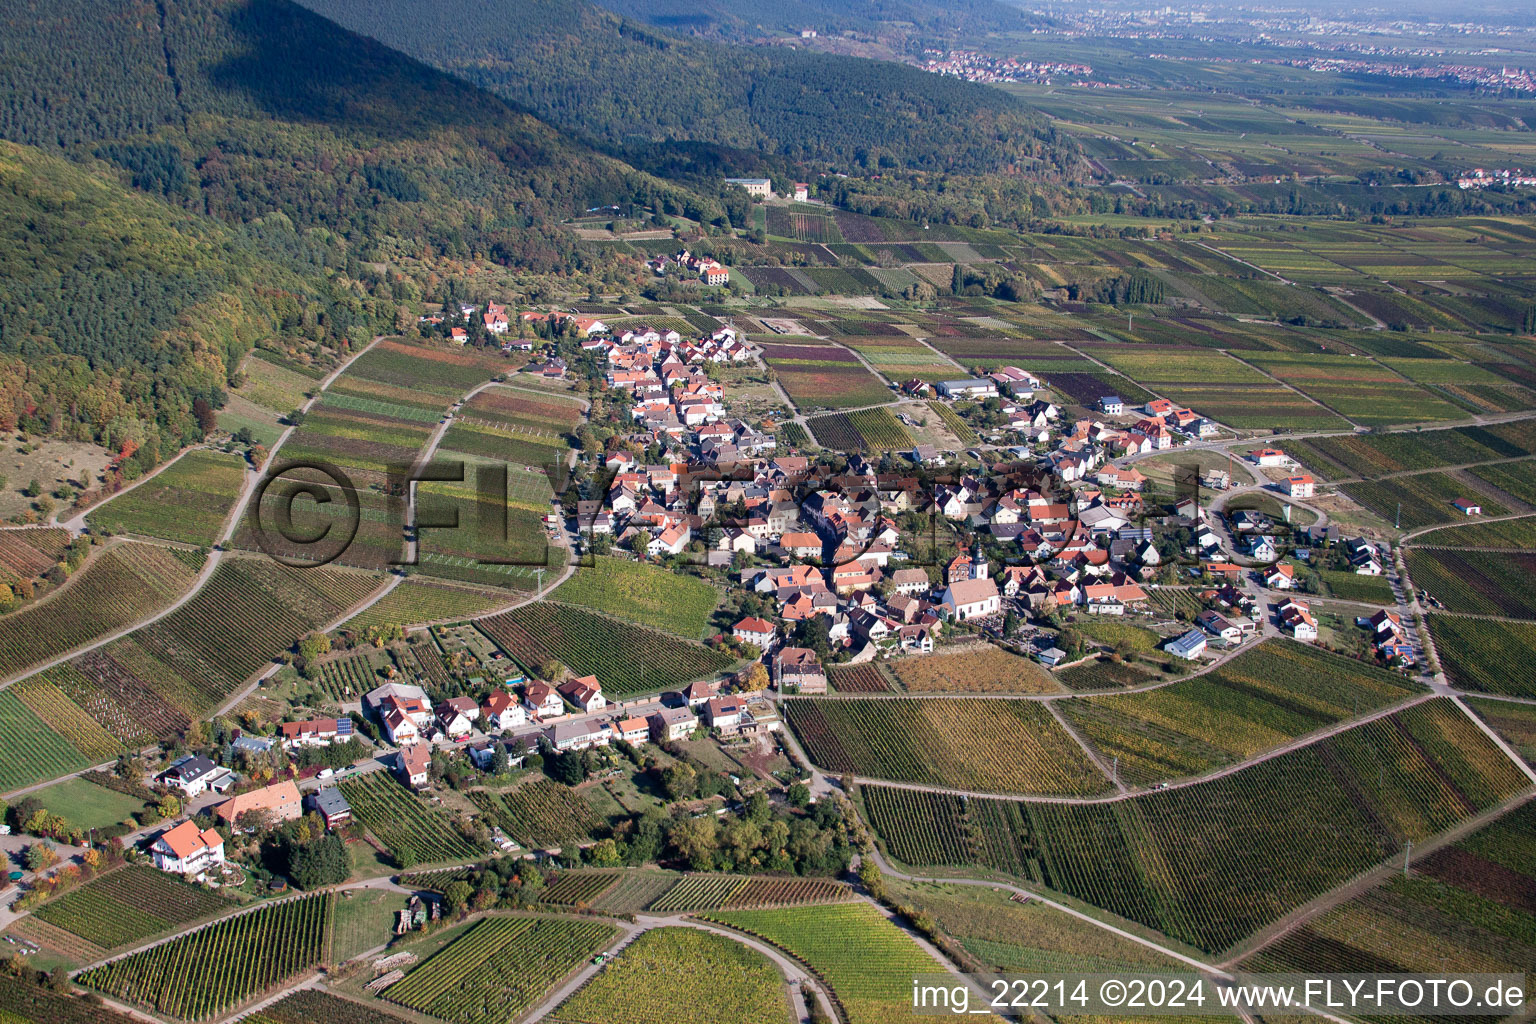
column 295, row 152
column 631, row 87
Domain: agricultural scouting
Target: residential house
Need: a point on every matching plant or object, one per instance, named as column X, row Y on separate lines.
column 910, row 581
column 414, row 766
column 755, row 631
column 1269, row 457
column 1112, row 405
column 317, row 732
column 187, row 849
column 801, row 545
column 330, row 805
column 502, row 711
column 277, row 803
column 586, row 693
column 700, row 691
column 1296, row 619
column 1189, row 646
column 578, row 735
column 726, row 714
column 189, row 774
column 797, row 669
column 634, row 730
column 1280, row 577
column 456, row 716
column 670, row 724
column 542, row 700
column 1300, row 486
column 1216, row 624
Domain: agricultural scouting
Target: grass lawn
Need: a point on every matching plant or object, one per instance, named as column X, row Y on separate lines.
column 365, row 918
column 368, row 862
column 643, row 593
column 87, row 804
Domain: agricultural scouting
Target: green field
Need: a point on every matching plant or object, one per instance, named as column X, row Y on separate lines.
column 689, row 977
column 417, row 601
column 414, row 831
column 86, row 804
column 644, row 594
column 129, row 905
column 866, row 961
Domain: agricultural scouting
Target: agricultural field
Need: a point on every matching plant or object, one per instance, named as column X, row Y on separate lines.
column 119, row 586
column 576, row 888
column 129, row 905
column 698, row 892
column 1259, row 700
column 823, row 377
column 1426, row 499
column 1515, row 722
column 206, row 972
column 26, row 554
column 309, row 1005
column 1209, row 864
column 347, row 678
column 414, row 832
column 66, row 718
column 688, row 976
column 1032, row 938
column 865, row 960
column 1485, row 655
column 246, row 614
column 901, row 358
column 1476, row 582
column 868, row 430
column 1103, row 674
column 31, row 751
column 1465, row 907
column 988, row 746
column 543, row 813
column 643, row 594
column 1349, row 586
column 1361, row 390
column 957, row 426
column 24, row 1003
column 1516, row 479
column 866, row 678
column 627, row 659
column 428, row 366
column 794, row 435
column 1166, row 364
column 365, row 918
column 188, row 501
column 1370, row 455
column 983, row 669
column 1175, row 601
column 499, row 967
column 543, row 416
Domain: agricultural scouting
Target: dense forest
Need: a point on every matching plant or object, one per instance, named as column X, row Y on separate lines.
column 628, row 87
column 280, row 149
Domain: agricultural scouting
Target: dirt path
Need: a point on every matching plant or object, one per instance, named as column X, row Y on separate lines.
column 76, row 524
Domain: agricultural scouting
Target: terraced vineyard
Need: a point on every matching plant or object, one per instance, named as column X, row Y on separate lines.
column 403, row 822
column 1508, row 533
column 1259, row 700
column 990, row 746
column 129, row 905
column 67, row 718
column 957, row 426
column 28, row 553
column 1212, row 863
column 688, row 977
column 627, row 659
column 866, row 961
column 187, row 501
column 25, row 1003
column 210, row 970
column 120, row 586
column 1426, row 499
column 980, row 669
column 698, row 892
column 1476, row 582
column 348, row 678
column 498, row 968
column 544, row 813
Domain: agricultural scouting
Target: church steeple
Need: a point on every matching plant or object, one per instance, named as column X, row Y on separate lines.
column 979, row 564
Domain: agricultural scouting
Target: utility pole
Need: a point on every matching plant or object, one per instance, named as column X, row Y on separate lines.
column 540, row 574
column 1397, row 524
column 1407, row 852
column 1114, row 770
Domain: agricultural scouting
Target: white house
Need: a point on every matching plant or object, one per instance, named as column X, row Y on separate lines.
column 501, row 711
column 457, row 715
column 187, row 850
column 754, row 631
column 585, row 692
column 670, row 724
column 971, row 599
column 190, row 774
column 1189, row 646
column 1300, row 486
column 1268, row 457
column 542, row 700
